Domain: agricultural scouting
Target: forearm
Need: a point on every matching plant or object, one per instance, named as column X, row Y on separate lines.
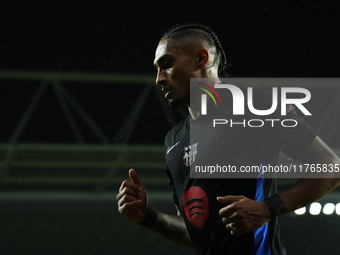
column 173, row 228
column 308, row 190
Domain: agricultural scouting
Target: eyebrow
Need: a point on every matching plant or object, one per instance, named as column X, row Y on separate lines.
column 160, row 60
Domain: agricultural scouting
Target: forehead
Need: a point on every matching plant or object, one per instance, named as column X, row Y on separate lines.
column 164, row 48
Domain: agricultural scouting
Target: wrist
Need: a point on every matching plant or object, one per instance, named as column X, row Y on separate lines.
column 275, row 205
column 150, row 218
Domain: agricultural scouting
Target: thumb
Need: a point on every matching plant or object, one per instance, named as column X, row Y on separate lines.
column 135, row 178
column 229, row 199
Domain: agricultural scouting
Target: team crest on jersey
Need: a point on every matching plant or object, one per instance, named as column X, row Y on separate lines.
column 190, row 154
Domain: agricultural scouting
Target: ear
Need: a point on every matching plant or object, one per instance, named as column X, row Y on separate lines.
column 202, row 58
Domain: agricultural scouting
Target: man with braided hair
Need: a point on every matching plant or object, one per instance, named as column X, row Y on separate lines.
column 220, row 216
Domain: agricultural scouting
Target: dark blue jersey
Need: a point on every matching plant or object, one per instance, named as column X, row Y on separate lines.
column 196, row 197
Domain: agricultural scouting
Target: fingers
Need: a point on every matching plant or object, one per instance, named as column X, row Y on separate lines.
column 132, row 198
column 229, row 199
column 232, row 223
column 230, row 216
column 131, row 204
column 230, row 219
column 127, row 202
column 129, row 189
column 134, row 184
column 135, row 178
column 129, row 185
column 235, row 229
column 231, row 226
column 242, row 215
column 129, row 192
column 230, row 209
column 124, row 198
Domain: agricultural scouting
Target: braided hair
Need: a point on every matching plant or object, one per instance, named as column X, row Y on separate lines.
column 205, row 33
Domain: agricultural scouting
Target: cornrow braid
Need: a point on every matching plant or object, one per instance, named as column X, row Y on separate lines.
column 181, row 29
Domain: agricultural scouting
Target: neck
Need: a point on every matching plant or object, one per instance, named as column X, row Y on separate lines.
column 194, row 113
column 195, row 105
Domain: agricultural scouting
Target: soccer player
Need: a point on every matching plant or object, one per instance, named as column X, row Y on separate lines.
column 221, row 216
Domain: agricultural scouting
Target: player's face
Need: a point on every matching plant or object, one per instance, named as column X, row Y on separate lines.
column 175, row 68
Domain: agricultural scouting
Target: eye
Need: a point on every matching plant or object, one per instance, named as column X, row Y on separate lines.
column 167, row 65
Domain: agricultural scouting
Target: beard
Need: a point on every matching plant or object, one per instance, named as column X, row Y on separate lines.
column 179, row 101
column 173, row 103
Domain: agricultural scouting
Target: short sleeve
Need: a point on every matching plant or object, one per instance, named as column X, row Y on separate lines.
column 289, row 133
column 293, row 140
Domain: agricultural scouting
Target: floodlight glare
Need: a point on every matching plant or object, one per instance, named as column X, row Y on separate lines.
column 300, row 211
column 315, row 208
column 328, row 208
column 337, row 209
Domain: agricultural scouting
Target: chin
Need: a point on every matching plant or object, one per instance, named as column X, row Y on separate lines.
column 174, row 103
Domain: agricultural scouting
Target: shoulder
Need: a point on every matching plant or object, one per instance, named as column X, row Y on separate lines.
column 261, row 95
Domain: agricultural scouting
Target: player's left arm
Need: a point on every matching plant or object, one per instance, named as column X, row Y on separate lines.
column 308, row 190
column 242, row 214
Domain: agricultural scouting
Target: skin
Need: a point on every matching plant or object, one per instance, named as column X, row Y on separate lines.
column 240, row 214
column 246, row 214
column 176, row 66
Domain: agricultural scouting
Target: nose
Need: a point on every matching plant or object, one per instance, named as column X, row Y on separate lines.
column 161, row 78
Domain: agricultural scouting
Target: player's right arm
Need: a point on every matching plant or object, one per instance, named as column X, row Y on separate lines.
column 133, row 205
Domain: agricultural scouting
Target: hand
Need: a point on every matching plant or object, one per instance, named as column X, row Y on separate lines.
column 243, row 214
column 132, row 198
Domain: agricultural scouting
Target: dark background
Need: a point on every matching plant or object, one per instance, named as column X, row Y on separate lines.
column 261, row 39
